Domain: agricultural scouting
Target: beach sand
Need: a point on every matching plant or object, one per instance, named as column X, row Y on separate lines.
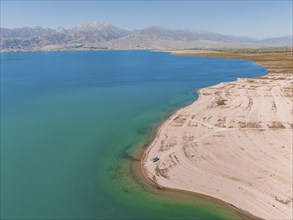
column 234, row 143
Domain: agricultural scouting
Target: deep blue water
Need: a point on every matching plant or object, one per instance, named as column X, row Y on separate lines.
column 69, row 118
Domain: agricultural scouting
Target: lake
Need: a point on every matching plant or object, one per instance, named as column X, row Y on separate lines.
column 73, row 122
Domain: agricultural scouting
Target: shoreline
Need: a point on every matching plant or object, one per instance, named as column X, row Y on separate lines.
column 140, row 173
column 155, row 179
column 154, row 187
column 228, row 211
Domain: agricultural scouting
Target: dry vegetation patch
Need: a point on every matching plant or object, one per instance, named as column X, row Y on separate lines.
column 277, row 60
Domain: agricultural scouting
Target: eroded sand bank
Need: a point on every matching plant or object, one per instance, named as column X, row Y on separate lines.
column 234, row 143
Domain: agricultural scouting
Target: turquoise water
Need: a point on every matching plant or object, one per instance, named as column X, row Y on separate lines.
column 70, row 121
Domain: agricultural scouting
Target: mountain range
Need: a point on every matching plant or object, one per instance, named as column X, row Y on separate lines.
column 102, row 35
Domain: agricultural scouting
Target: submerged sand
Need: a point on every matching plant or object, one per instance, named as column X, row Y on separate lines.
column 234, row 143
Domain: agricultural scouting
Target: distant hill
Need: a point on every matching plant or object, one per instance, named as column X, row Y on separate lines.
column 157, row 32
column 102, row 35
column 278, row 41
column 25, row 32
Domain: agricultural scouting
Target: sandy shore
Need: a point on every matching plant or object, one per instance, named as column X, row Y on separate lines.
column 234, row 143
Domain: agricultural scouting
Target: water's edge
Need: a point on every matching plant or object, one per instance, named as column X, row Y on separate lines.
column 141, row 176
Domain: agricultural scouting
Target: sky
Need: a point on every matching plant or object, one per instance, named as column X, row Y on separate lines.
column 258, row 19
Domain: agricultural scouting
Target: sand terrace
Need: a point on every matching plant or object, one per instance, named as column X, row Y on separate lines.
column 234, row 143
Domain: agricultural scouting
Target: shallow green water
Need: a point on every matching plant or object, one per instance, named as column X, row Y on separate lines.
column 71, row 121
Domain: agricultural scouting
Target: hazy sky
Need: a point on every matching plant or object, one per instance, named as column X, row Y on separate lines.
column 259, row 19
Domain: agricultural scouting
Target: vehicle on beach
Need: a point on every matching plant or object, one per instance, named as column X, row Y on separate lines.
column 155, row 159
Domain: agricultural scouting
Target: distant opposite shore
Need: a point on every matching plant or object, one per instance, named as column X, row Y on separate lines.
column 235, row 142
